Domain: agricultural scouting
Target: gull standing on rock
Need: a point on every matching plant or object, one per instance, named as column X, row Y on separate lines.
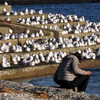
column 32, row 11
column 5, row 3
column 10, row 31
column 7, row 19
column 4, row 10
column 40, row 11
column 21, row 13
column 26, row 11
column 15, row 59
column 7, row 13
column 5, row 62
column 13, row 48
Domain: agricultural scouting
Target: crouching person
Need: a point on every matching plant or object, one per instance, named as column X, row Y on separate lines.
column 69, row 76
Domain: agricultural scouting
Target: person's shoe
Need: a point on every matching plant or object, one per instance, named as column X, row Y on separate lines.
column 82, row 92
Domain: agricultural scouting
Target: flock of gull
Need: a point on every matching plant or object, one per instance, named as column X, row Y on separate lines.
column 76, row 29
column 25, row 34
column 51, row 43
column 45, row 44
column 51, row 57
column 36, row 20
column 51, row 18
column 56, row 18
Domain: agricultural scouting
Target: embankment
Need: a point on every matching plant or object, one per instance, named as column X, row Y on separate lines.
column 21, row 71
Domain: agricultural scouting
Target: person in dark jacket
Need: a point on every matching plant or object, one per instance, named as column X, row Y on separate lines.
column 69, row 76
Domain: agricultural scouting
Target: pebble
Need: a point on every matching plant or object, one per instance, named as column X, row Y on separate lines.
column 54, row 92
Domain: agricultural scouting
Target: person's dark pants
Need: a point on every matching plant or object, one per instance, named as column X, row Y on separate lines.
column 80, row 82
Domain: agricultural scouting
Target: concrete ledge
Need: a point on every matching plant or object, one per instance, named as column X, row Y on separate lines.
column 7, row 7
column 19, row 28
column 26, row 71
column 67, row 50
column 21, row 71
column 13, row 41
column 4, row 30
column 14, row 18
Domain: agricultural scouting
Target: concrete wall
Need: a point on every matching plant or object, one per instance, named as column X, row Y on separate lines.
column 7, row 7
column 42, row 69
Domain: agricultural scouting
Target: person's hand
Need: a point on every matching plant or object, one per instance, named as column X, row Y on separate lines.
column 88, row 72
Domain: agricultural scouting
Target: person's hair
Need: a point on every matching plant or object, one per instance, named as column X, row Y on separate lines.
column 78, row 55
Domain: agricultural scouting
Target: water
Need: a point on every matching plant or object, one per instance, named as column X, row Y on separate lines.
column 92, row 88
column 91, row 12
column 47, row 80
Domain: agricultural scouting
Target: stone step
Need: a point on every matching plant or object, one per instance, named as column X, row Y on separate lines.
column 7, row 7
column 19, row 71
column 4, row 30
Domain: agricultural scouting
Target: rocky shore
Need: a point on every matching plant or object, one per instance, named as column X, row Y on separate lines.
column 26, row 91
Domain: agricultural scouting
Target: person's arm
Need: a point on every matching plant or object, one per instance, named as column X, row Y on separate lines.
column 76, row 69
